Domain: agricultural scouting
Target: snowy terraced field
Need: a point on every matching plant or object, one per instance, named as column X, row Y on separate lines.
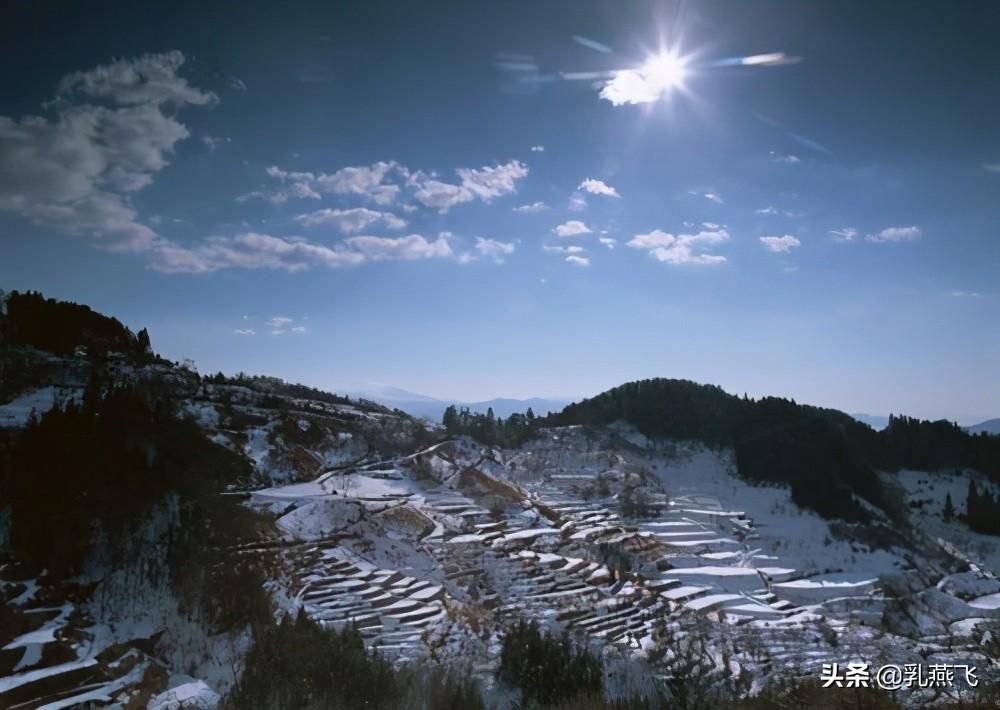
column 542, row 545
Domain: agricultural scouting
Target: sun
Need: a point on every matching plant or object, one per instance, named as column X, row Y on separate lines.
column 664, row 71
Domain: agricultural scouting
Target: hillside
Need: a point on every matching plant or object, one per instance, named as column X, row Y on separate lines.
column 827, row 457
column 241, row 541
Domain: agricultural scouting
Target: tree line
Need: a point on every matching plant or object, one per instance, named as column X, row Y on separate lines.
column 61, row 327
column 489, row 429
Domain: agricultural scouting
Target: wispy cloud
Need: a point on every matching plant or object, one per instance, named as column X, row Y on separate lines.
column 485, row 184
column 786, row 158
column 966, row 294
column 367, row 181
column 710, row 196
column 577, row 202
column 532, row 207
column 608, row 242
column 351, row 220
column 895, row 234
column 213, row 142
column 572, row 249
column 494, row 249
column 245, row 331
column 581, row 261
column 571, row 228
column 683, row 248
column 783, row 243
column 382, row 183
column 991, row 167
column 847, row 234
column 538, row 149
column 406, row 248
column 293, row 254
column 598, row 187
column 280, row 325
column 770, row 210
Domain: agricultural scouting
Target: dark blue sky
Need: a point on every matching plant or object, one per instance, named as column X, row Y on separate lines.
column 793, row 198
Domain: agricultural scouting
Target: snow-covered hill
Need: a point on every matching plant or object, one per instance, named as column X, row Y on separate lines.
column 432, row 546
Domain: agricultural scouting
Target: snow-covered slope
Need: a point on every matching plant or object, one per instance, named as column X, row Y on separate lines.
column 432, row 547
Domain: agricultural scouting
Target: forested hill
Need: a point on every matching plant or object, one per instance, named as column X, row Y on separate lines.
column 824, row 455
column 61, row 327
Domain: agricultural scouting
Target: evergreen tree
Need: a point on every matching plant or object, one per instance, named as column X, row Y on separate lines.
column 972, row 503
column 450, row 419
column 949, row 509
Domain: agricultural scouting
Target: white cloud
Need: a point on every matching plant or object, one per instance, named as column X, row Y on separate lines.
column 966, row 294
column 406, row 248
column 253, row 250
column 351, row 220
column 245, row 331
column 608, row 242
column 598, row 187
column 367, row 181
column 847, row 234
column 213, row 142
column 485, row 184
column 538, row 149
column 652, row 240
column 785, row 158
column 493, row 248
column 710, row 196
column 573, row 249
column 646, row 83
column 680, row 249
column 532, row 207
column 580, row 261
column 571, row 228
column 895, row 234
column 441, row 196
column 76, row 171
column 783, row 243
column 577, row 202
column 234, row 82
column 280, row 325
column 149, row 79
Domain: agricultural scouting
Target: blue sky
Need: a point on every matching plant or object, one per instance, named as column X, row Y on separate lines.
column 523, row 199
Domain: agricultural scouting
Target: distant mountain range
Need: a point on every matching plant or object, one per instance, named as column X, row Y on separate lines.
column 875, row 421
column 420, row 405
column 990, row 426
